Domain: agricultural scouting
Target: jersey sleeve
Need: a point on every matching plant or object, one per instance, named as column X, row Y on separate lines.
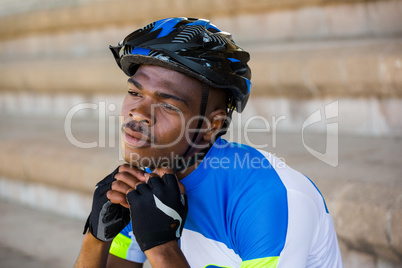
column 277, row 224
column 261, row 228
column 273, row 237
column 125, row 246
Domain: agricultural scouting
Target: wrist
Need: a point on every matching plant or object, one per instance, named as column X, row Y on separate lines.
column 166, row 255
column 98, row 245
column 91, row 239
column 93, row 252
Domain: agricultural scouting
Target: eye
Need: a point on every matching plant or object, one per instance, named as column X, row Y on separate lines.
column 170, row 107
column 133, row 93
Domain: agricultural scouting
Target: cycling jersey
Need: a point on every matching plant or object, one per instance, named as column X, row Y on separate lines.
column 249, row 209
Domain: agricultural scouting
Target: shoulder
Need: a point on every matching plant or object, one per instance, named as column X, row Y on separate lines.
column 232, row 157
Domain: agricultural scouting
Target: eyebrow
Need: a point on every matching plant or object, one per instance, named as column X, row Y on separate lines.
column 135, row 83
column 157, row 93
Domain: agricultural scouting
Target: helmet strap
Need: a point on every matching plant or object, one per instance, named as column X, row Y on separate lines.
column 182, row 163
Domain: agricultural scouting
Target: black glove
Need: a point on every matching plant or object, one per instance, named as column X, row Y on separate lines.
column 106, row 219
column 158, row 211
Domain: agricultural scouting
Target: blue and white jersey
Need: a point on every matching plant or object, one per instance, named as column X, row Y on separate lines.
column 249, row 209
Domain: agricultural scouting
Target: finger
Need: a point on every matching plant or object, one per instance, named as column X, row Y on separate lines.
column 162, row 171
column 150, row 175
column 131, row 195
column 119, row 169
column 120, row 186
column 142, row 188
column 136, row 172
column 136, row 185
column 127, row 178
column 117, row 198
column 182, row 188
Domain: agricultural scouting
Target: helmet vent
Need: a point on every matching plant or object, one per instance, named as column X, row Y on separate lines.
column 218, row 39
column 188, row 33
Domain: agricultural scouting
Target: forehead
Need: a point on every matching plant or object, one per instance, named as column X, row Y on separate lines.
column 159, row 78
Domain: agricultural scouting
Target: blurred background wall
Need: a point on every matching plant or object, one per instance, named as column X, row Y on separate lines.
column 61, row 92
column 303, row 51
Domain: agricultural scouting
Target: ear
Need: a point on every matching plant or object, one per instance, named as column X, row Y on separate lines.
column 216, row 119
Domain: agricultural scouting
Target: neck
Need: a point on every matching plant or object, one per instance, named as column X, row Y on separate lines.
column 185, row 172
column 199, row 155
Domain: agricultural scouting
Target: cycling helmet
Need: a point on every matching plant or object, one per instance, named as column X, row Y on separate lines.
column 194, row 47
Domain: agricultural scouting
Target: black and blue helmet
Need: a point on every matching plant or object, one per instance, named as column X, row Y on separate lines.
column 194, row 47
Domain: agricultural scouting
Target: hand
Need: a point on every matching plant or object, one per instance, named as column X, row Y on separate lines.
column 158, row 209
column 106, row 219
column 127, row 179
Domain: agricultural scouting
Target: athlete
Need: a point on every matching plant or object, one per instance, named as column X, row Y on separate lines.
column 187, row 197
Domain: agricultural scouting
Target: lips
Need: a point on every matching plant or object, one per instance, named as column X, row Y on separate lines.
column 135, row 138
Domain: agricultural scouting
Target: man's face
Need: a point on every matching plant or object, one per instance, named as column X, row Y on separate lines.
column 158, row 108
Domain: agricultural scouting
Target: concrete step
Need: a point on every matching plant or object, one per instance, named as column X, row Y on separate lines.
column 37, row 239
column 34, row 238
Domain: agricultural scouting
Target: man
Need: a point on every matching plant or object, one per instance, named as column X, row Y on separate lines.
column 193, row 198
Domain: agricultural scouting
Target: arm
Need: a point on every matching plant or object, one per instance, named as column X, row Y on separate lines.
column 116, row 262
column 167, row 255
column 93, row 253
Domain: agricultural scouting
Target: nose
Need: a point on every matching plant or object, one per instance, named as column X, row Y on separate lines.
column 142, row 114
column 139, row 118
